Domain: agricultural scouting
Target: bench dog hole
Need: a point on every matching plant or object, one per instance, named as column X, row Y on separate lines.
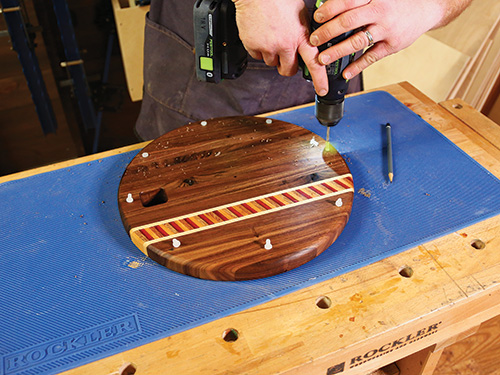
column 230, row 335
column 406, row 271
column 323, row 302
column 127, row 369
column 478, row 244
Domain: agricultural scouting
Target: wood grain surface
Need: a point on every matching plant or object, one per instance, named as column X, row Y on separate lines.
column 235, row 198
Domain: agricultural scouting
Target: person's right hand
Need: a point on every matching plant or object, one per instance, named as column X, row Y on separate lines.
column 392, row 25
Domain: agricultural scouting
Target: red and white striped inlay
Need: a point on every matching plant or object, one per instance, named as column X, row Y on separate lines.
column 168, row 229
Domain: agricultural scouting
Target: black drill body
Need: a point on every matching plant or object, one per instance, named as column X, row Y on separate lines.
column 219, row 51
column 329, row 109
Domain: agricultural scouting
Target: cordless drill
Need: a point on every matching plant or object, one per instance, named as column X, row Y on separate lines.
column 220, row 55
column 329, row 109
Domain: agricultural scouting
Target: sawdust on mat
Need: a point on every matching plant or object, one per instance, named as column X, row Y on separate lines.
column 365, row 193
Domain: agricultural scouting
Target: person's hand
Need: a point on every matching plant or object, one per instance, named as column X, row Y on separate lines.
column 274, row 31
column 388, row 25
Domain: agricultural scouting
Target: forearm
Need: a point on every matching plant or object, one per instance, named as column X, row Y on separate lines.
column 452, row 9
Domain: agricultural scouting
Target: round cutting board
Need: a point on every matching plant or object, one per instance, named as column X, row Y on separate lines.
column 235, row 198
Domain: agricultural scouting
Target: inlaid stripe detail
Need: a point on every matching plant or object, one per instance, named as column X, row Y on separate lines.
column 146, row 234
column 161, row 230
column 168, row 229
column 263, row 204
column 191, row 222
column 235, row 211
column 176, row 226
column 290, row 197
column 304, row 194
column 342, row 184
column 206, row 219
column 249, row 208
column 330, row 187
column 219, row 214
column 277, row 201
column 316, row 190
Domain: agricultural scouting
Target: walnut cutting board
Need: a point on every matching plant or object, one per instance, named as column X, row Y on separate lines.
column 235, row 198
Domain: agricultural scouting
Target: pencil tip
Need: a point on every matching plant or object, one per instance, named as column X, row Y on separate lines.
column 391, row 176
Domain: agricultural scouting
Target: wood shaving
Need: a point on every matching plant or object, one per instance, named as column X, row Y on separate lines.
column 365, row 193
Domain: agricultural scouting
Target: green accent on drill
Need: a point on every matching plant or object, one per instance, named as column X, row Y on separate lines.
column 211, row 47
column 306, row 71
column 206, row 63
column 336, row 67
column 319, row 3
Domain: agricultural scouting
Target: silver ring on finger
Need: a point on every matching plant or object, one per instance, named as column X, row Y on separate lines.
column 370, row 37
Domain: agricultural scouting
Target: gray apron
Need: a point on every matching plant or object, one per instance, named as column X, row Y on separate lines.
column 173, row 96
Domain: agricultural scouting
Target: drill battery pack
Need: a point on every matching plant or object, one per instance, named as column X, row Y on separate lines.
column 219, row 52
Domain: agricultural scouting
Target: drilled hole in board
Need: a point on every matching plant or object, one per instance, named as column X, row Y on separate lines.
column 153, row 197
column 457, row 106
column 478, row 244
column 127, row 369
column 230, row 335
column 406, row 271
column 323, row 302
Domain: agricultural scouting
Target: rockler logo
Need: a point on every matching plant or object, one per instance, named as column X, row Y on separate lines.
column 384, row 349
column 70, row 344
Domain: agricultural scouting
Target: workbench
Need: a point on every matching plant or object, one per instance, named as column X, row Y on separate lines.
column 405, row 308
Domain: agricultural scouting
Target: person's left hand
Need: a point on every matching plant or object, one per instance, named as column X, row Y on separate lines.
column 274, row 31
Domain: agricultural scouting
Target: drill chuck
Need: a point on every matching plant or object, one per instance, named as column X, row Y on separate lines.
column 330, row 108
column 329, row 113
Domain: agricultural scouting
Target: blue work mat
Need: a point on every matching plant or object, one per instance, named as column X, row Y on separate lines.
column 75, row 289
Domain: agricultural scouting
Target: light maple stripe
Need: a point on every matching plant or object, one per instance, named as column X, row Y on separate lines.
column 242, row 210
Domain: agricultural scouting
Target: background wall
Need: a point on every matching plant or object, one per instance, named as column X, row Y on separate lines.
column 22, row 142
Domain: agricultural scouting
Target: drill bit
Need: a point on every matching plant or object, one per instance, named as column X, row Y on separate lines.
column 328, row 146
